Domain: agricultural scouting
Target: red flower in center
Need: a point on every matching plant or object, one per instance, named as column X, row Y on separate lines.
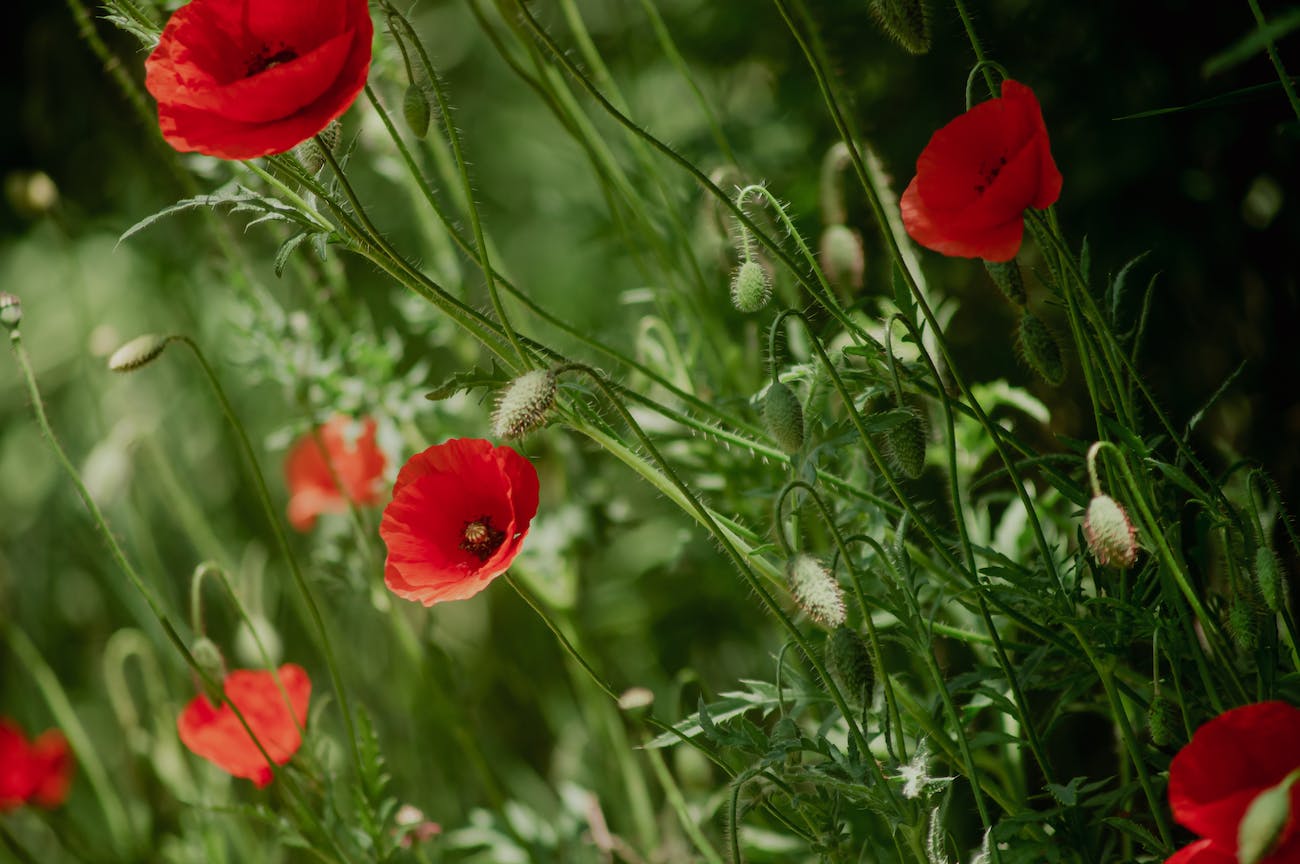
column 977, row 176
column 245, row 78
column 311, row 472
column 217, row 735
column 1229, row 762
column 458, row 517
column 39, row 772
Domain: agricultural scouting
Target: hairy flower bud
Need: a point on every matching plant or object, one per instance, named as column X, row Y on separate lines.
column 751, row 287
column 1040, row 349
column 816, row 590
column 140, row 351
column 415, row 108
column 1269, row 577
column 1163, row 721
column 524, row 404
column 1243, row 625
column 208, row 658
column 1111, row 536
column 309, row 152
column 783, row 416
column 907, row 21
column 843, row 259
column 1006, row 275
column 11, row 311
column 905, row 444
column 849, row 663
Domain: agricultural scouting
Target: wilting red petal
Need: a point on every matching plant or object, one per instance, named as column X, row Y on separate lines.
column 357, row 464
column 40, row 773
column 978, row 174
column 1229, row 761
column 15, row 776
column 438, row 493
column 53, row 764
column 238, row 79
column 217, row 735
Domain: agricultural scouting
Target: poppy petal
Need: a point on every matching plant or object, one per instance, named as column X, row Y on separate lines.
column 1202, row 852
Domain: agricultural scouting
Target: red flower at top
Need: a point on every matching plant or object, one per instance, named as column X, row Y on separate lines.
column 459, row 514
column 1229, row 762
column 217, row 735
column 240, row 79
column 39, row 772
column 356, row 463
column 978, row 174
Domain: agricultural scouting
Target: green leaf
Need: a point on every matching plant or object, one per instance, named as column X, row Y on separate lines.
column 474, row 379
column 1215, row 397
column 1232, row 97
column 1253, row 42
column 286, row 249
column 1116, row 290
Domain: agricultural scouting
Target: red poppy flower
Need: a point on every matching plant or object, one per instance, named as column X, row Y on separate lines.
column 978, row 174
column 460, row 512
column 240, row 79
column 217, row 735
column 1229, row 762
column 311, row 472
column 39, row 772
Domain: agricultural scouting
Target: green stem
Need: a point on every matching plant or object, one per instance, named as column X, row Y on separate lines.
column 1287, row 86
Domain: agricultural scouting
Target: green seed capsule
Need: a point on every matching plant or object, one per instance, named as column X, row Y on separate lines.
column 784, row 417
column 849, row 662
column 415, row 107
column 1040, row 349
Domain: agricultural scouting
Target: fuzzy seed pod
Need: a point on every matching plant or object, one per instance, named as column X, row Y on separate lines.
column 415, row 108
column 905, row 445
column 751, row 287
column 1243, row 625
column 1163, row 722
column 842, row 257
column 524, row 404
column 11, row 311
column 1040, row 349
column 1269, row 577
column 816, row 590
column 784, row 417
column 1006, row 275
column 849, row 662
column 1111, row 536
column 907, row 21
column 140, row 351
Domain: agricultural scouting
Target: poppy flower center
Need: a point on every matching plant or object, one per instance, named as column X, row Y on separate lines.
column 989, row 174
column 266, row 59
column 480, row 539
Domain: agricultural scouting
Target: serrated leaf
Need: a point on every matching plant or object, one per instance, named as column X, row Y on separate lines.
column 286, row 250
column 1116, row 291
column 214, row 200
column 1214, row 398
column 473, row 379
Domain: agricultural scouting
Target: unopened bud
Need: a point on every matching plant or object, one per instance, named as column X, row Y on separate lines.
column 1163, row 721
column 905, row 445
column 1111, row 536
column 1243, row 625
column 140, row 351
column 415, row 108
column 1269, row 577
column 310, row 153
column 842, row 257
column 907, row 21
column 1040, row 349
column 207, row 656
column 751, row 287
column 783, row 416
column 849, row 662
column 524, row 404
column 816, row 590
column 1006, row 275
column 11, row 311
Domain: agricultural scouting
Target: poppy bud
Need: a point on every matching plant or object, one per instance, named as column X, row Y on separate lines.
column 207, row 656
column 907, row 21
column 842, row 257
column 1039, row 348
column 816, row 590
column 310, row 153
column 1163, row 721
column 905, row 445
column 1006, row 275
column 751, row 287
column 1111, row 536
column 524, row 404
column 784, row 417
column 1243, row 625
column 850, row 663
column 415, row 107
column 11, row 311
column 1268, row 574
column 140, row 351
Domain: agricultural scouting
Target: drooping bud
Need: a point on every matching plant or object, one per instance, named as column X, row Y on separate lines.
column 1163, row 721
column 309, row 152
column 1243, row 625
column 524, row 404
column 11, row 311
column 1268, row 575
column 849, row 663
column 415, row 108
column 751, row 287
column 783, row 416
column 905, row 444
column 1111, row 536
column 907, row 21
column 1006, row 275
column 140, row 351
column 842, row 257
column 207, row 656
column 1040, row 349
column 816, row 590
